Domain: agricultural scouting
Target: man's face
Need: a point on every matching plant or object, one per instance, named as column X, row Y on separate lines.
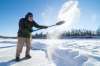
column 30, row 18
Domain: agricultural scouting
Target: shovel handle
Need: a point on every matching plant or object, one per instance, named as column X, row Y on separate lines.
column 58, row 23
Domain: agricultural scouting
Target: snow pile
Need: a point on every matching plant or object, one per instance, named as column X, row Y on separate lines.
column 67, row 57
column 60, row 55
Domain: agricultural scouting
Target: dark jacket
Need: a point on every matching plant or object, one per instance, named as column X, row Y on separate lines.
column 25, row 28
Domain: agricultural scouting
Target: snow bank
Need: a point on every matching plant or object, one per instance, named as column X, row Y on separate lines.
column 60, row 55
column 67, row 57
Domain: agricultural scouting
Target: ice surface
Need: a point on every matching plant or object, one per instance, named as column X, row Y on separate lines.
column 39, row 46
column 65, row 53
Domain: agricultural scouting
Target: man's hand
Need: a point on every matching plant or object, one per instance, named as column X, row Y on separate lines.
column 31, row 30
column 45, row 27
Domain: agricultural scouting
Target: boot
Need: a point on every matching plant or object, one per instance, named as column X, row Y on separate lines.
column 17, row 59
column 27, row 56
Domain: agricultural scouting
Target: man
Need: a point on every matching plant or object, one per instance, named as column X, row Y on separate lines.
column 24, row 34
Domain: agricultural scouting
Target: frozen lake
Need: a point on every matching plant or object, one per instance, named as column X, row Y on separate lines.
column 69, row 52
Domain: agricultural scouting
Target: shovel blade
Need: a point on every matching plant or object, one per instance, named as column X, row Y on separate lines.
column 60, row 23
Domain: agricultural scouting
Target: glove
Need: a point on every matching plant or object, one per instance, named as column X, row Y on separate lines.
column 45, row 27
column 31, row 30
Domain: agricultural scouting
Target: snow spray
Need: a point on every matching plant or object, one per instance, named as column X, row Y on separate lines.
column 69, row 13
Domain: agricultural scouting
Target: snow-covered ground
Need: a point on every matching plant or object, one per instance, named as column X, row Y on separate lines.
column 69, row 52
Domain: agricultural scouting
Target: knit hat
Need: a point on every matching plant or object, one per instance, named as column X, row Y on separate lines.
column 28, row 14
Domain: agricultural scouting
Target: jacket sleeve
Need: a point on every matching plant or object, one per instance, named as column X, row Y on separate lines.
column 38, row 26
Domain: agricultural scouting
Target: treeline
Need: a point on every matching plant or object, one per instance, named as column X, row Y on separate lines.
column 39, row 36
column 75, row 33
column 79, row 34
column 6, row 37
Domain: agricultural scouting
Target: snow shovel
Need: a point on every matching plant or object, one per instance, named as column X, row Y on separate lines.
column 58, row 23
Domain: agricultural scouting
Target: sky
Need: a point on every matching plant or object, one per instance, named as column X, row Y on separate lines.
column 45, row 13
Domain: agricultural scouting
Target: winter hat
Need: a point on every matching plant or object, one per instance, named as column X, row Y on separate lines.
column 28, row 14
